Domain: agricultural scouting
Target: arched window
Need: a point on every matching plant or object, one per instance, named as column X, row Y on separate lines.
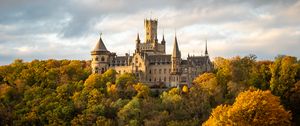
column 102, row 58
column 96, row 58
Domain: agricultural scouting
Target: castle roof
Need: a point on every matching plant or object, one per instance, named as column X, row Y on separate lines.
column 160, row 59
column 198, row 60
column 100, row 46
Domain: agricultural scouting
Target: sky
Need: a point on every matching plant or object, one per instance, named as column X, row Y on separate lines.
column 69, row 29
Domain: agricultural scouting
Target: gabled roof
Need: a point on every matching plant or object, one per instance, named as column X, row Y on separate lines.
column 100, row 46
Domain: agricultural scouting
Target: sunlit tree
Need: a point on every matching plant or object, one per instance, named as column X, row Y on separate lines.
column 251, row 108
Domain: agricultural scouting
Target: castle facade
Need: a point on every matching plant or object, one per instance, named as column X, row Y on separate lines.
column 150, row 63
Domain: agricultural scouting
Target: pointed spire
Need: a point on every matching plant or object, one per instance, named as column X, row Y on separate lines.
column 100, row 45
column 138, row 38
column 206, row 52
column 163, row 41
column 176, row 52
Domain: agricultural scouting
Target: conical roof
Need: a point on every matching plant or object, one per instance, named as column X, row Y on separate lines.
column 163, row 40
column 176, row 52
column 100, row 46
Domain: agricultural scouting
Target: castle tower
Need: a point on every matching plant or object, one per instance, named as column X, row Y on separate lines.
column 151, row 30
column 175, row 68
column 100, row 57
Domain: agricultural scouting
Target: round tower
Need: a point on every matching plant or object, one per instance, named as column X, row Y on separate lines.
column 100, row 58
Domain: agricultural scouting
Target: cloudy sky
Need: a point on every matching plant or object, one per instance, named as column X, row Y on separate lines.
column 68, row 29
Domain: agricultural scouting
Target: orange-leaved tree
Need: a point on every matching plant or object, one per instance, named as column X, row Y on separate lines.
column 251, row 108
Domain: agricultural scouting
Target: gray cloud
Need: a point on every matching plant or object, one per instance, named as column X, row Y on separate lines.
column 35, row 29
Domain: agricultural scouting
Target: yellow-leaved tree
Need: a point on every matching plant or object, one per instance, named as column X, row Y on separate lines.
column 251, row 108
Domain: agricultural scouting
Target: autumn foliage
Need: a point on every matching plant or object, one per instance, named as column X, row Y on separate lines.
column 251, row 108
column 239, row 91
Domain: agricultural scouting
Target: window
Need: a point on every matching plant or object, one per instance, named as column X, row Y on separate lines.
column 102, row 58
column 102, row 70
column 96, row 58
column 159, row 71
column 150, row 71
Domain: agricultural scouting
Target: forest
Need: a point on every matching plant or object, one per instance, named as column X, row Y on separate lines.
column 239, row 91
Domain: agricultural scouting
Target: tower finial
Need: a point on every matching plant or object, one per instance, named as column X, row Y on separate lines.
column 206, row 52
column 100, row 34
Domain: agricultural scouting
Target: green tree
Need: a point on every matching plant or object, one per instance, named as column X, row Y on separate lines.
column 284, row 71
column 130, row 113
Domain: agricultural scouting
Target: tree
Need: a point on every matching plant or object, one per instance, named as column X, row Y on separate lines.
column 142, row 90
column 208, row 82
column 95, row 81
column 284, row 71
column 130, row 112
column 124, row 83
column 125, row 80
column 251, row 108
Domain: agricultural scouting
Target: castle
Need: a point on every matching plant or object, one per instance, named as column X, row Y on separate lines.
column 150, row 63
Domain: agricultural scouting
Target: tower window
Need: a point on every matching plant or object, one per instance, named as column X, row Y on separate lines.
column 96, row 58
column 102, row 58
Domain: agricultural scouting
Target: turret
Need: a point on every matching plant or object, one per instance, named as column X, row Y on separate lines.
column 100, row 57
column 175, row 68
